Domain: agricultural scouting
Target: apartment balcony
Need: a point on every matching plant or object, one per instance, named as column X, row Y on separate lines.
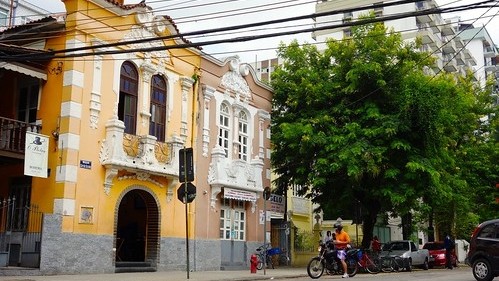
column 427, row 37
column 13, row 137
column 459, row 43
column 461, row 70
column 421, row 6
column 141, row 156
column 491, row 67
column 435, row 27
column 448, row 30
column 438, row 66
column 489, row 52
column 469, row 57
column 450, row 64
column 459, row 57
column 449, row 47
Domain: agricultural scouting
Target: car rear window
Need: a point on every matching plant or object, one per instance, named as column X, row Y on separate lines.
column 396, row 246
column 434, row 246
column 488, row 231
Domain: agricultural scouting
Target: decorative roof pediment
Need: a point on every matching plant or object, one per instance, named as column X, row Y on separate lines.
column 143, row 32
column 234, row 80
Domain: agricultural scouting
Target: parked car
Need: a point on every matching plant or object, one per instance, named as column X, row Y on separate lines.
column 408, row 251
column 437, row 254
column 483, row 254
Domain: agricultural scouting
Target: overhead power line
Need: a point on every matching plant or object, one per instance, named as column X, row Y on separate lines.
column 238, row 39
column 237, row 27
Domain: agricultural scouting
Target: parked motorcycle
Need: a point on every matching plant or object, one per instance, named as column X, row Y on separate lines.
column 328, row 260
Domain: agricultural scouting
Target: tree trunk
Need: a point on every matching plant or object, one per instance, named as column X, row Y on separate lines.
column 369, row 221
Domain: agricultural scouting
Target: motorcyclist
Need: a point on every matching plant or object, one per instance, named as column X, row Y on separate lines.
column 341, row 242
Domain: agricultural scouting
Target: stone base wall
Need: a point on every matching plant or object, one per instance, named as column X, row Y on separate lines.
column 204, row 255
column 69, row 253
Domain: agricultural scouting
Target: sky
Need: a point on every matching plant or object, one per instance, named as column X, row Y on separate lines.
column 195, row 15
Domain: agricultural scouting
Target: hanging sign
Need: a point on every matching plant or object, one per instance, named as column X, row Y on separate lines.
column 36, row 155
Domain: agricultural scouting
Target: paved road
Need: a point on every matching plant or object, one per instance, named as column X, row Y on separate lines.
column 463, row 273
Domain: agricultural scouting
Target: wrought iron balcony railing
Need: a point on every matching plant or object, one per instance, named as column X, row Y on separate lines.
column 13, row 135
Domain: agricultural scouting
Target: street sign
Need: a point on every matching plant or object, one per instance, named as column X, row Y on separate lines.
column 191, row 192
column 186, row 165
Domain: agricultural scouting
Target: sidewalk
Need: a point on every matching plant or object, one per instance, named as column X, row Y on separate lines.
column 240, row 275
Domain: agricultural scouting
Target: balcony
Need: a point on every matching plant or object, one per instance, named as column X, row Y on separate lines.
column 489, row 52
column 427, row 37
column 139, row 155
column 460, row 58
column 450, row 64
column 421, row 6
column 448, row 30
column 449, row 46
column 469, row 57
column 438, row 66
column 459, row 43
column 242, row 177
column 13, row 136
column 490, row 67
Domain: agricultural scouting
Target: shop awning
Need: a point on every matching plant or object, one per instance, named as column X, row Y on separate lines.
column 33, row 72
column 237, row 194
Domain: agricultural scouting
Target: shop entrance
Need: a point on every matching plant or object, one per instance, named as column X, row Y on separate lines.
column 137, row 228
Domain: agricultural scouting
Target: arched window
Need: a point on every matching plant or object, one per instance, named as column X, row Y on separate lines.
column 243, row 136
column 224, row 129
column 158, row 108
column 127, row 107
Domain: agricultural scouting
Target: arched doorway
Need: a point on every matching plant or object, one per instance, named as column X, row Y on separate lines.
column 137, row 229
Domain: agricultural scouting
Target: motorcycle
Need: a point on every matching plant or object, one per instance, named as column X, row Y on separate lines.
column 328, row 260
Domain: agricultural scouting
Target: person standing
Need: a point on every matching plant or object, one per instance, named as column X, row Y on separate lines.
column 376, row 246
column 449, row 246
column 341, row 242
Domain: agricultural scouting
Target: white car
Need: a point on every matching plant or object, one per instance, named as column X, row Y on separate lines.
column 409, row 252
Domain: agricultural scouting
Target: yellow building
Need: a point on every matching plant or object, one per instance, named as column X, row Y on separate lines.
column 98, row 104
column 111, row 113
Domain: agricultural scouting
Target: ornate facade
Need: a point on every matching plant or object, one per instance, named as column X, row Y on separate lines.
column 233, row 160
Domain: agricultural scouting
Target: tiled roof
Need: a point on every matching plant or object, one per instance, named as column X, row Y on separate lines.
column 128, row 6
column 28, row 25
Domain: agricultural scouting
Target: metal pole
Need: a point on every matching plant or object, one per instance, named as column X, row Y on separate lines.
column 186, row 213
column 265, row 236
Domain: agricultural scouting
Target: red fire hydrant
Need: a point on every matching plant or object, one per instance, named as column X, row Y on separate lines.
column 253, row 263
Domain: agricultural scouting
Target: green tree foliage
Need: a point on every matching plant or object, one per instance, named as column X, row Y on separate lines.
column 361, row 122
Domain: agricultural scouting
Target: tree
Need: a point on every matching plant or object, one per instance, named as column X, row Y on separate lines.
column 361, row 122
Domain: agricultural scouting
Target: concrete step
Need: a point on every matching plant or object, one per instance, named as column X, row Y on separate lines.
column 134, row 266
column 134, row 269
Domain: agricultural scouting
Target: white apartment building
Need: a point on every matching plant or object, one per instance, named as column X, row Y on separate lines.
column 481, row 46
column 18, row 12
column 264, row 68
column 439, row 37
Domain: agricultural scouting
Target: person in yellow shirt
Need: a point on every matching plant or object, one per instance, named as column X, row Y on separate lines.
column 342, row 241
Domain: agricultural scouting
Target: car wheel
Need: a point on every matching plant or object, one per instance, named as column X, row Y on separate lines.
column 409, row 265
column 481, row 270
column 425, row 264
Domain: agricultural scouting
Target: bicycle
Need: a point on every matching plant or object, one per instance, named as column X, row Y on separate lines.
column 261, row 254
column 266, row 253
column 391, row 263
column 283, row 258
column 370, row 265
